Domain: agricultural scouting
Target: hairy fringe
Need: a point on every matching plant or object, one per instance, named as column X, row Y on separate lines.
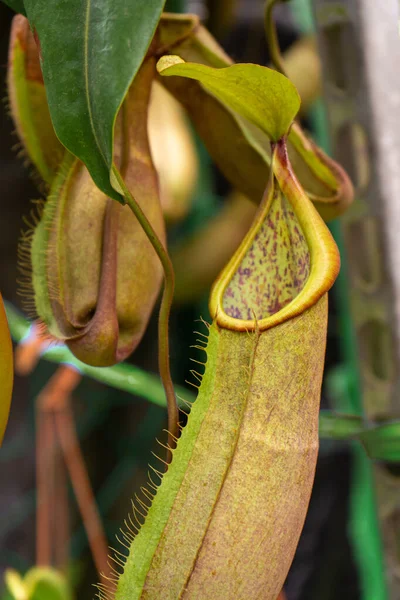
column 142, row 502
column 24, row 260
column 31, row 221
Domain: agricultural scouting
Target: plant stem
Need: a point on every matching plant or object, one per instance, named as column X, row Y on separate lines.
column 165, row 309
column 272, row 38
column 44, row 483
column 82, row 489
column 61, row 528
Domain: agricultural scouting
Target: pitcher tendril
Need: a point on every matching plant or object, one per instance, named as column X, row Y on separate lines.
column 272, row 37
column 165, row 309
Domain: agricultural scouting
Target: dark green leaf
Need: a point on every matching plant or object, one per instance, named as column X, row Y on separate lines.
column 262, row 95
column 91, row 50
column 17, row 5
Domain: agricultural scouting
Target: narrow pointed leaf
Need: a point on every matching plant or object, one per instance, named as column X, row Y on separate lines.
column 90, row 54
column 265, row 97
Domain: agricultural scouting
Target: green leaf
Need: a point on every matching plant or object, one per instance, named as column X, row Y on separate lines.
column 17, row 5
column 339, row 426
column 262, row 95
column 91, row 51
column 381, row 441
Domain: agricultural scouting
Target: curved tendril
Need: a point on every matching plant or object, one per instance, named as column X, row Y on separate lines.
column 166, row 302
column 272, row 37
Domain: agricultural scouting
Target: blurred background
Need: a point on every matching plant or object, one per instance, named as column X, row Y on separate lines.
column 349, row 547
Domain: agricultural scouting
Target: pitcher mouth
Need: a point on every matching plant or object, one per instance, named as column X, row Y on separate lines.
column 313, row 252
